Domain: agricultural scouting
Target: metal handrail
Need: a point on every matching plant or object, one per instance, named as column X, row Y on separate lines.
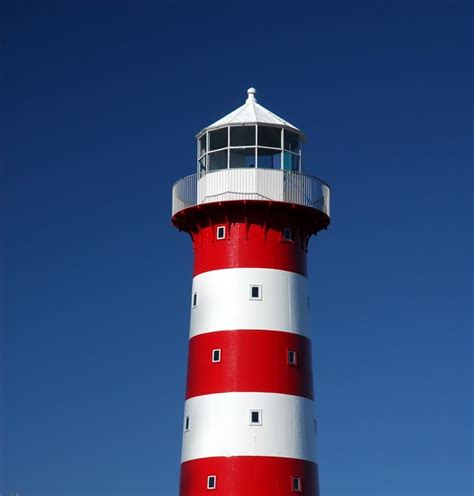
column 245, row 183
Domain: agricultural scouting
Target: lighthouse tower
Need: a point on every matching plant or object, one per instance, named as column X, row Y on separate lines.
column 249, row 421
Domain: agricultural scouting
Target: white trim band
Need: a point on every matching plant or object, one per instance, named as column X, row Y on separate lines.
column 224, row 302
column 220, row 426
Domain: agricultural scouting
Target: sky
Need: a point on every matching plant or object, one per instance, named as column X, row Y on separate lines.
column 100, row 103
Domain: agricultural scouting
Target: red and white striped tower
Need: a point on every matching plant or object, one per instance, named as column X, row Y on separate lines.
column 249, row 422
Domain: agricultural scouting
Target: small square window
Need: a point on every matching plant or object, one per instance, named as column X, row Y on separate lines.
column 221, row 232
column 255, row 292
column 211, row 482
column 216, row 356
column 195, row 300
column 288, row 234
column 292, row 357
column 255, row 417
column 186, row 424
column 296, row 484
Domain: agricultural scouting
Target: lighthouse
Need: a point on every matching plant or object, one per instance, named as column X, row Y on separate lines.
column 249, row 424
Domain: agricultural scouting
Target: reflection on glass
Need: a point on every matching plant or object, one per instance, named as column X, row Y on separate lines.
column 269, row 136
column 242, row 136
column 218, row 139
column 269, row 159
column 202, row 145
column 242, row 157
column 217, row 160
column 292, row 141
column 202, row 164
column 291, row 162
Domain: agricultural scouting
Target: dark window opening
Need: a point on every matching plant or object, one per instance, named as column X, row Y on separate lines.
column 202, row 145
column 291, row 161
column 269, row 159
column 242, row 158
column 269, row 136
column 218, row 139
column 255, row 292
column 255, row 417
column 211, row 482
column 296, row 485
column 292, row 357
column 216, row 356
column 288, row 234
column 242, row 136
column 292, row 141
column 217, row 160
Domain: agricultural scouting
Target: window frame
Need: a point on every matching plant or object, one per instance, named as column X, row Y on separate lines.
column 260, row 417
column 217, row 133
column 248, row 126
column 218, row 236
column 255, row 298
column 203, row 157
column 295, row 354
column 187, row 423
column 287, row 230
column 208, row 486
column 219, row 351
column 299, row 482
column 194, row 300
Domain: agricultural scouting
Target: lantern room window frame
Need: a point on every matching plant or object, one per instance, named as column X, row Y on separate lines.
column 289, row 155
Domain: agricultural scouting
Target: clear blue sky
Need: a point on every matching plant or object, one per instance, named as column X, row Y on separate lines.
column 100, row 102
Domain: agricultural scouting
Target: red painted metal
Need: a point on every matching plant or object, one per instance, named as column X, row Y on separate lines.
column 251, row 360
column 248, row 246
column 248, row 476
column 254, row 234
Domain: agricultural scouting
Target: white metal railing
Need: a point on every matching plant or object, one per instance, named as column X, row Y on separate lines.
column 251, row 184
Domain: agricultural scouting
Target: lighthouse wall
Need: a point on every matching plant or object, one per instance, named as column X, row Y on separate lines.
column 250, row 310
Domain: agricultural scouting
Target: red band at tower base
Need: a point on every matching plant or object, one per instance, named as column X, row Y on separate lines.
column 249, row 476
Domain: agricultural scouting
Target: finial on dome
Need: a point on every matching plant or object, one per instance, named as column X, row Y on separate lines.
column 251, row 92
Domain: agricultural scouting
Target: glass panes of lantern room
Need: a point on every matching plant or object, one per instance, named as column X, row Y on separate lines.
column 265, row 147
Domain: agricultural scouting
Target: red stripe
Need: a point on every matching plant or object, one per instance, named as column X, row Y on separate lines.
column 254, row 234
column 249, row 476
column 243, row 247
column 251, row 361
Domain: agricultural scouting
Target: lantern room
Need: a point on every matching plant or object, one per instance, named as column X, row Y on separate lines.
column 249, row 137
column 250, row 154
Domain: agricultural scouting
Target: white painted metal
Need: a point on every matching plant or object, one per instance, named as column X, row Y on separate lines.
column 326, row 198
column 224, row 302
column 219, row 426
column 231, row 184
column 251, row 184
column 251, row 112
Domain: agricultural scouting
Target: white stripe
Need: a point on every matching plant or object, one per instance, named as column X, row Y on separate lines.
column 223, row 301
column 219, row 426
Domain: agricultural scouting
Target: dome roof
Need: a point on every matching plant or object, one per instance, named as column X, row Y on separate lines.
column 251, row 112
